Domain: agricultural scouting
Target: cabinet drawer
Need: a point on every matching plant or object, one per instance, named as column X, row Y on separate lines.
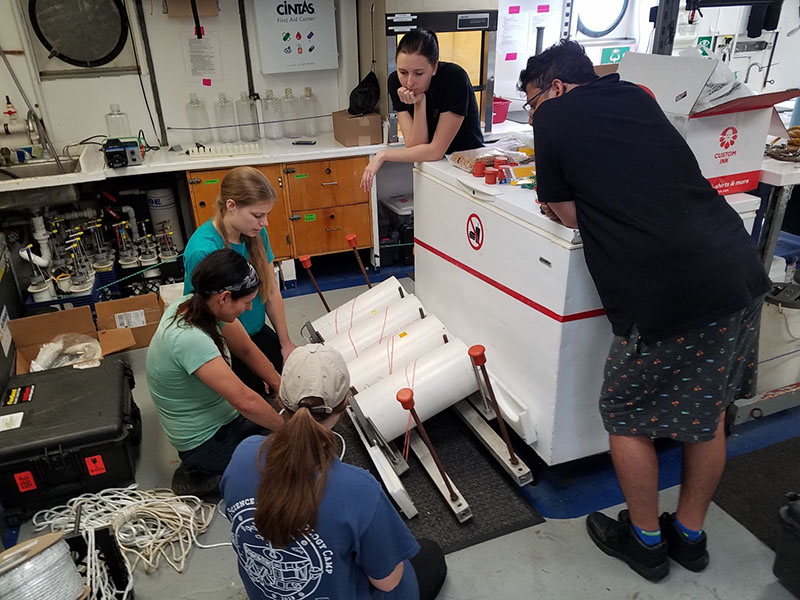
column 322, row 231
column 324, row 183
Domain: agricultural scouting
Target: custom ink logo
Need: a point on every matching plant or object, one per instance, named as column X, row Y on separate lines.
column 726, row 140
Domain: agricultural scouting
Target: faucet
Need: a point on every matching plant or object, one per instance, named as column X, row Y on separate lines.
column 750, row 66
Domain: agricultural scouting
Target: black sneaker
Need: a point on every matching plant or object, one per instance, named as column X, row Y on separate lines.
column 688, row 554
column 193, row 482
column 618, row 539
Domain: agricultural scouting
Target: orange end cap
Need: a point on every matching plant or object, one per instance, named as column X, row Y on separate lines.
column 406, row 398
column 478, row 354
column 351, row 239
column 305, row 260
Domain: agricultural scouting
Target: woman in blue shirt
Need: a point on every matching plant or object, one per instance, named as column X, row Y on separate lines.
column 311, row 526
column 246, row 198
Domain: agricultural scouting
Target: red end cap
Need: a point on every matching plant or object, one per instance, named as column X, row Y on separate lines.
column 406, row 398
column 305, row 260
column 351, row 239
column 478, row 355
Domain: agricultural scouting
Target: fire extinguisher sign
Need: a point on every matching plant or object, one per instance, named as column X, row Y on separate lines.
column 475, row 231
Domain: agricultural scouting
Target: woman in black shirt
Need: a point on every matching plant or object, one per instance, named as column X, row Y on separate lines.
column 436, row 107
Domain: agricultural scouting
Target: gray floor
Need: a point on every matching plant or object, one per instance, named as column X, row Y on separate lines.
column 554, row 559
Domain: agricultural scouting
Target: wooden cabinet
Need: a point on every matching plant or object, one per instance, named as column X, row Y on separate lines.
column 327, row 204
column 319, row 203
column 204, row 189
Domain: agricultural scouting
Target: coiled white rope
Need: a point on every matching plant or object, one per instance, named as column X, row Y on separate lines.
column 149, row 525
column 47, row 575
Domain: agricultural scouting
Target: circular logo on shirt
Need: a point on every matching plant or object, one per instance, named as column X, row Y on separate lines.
column 728, row 137
column 292, row 573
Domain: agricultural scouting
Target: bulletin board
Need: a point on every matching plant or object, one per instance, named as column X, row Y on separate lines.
column 296, row 35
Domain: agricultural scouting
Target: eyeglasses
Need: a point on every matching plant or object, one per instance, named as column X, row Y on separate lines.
column 529, row 106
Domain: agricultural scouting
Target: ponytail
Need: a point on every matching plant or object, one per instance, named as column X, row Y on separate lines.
column 195, row 312
column 295, row 460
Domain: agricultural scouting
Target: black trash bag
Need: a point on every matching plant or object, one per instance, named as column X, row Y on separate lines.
column 364, row 97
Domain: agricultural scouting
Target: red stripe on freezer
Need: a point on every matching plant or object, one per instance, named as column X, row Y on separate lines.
column 589, row 314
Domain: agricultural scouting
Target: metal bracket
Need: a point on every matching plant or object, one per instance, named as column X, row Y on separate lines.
column 519, row 472
column 459, row 506
column 390, row 479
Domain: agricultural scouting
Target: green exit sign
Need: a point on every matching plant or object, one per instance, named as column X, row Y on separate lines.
column 612, row 56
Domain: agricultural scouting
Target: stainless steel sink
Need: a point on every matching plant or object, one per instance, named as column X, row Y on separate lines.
column 38, row 168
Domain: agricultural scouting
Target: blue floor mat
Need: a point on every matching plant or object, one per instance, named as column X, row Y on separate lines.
column 581, row 487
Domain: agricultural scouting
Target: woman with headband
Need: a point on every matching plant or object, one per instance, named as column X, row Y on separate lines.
column 203, row 407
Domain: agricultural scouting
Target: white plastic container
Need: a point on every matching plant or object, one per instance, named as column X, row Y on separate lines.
column 117, row 123
column 309, row 109
column 198, row 120
column 226, row 119
column 271, row 109
column 247, row 117
column 164, row 207
column 290, row 113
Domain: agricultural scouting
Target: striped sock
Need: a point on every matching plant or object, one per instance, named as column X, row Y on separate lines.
column 650, row 538
column 690, row 534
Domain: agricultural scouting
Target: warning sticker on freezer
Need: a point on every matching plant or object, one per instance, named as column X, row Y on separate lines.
column 5, row 332
column 134, row 318
column 15, row 395
column 475, row 231
column 25, row 481
column 95, row 465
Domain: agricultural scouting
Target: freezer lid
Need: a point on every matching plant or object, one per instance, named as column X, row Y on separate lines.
column 515, row 201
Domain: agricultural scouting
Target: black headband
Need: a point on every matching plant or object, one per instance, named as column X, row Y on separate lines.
column 250, row 282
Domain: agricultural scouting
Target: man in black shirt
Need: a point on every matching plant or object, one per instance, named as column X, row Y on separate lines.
column 681, row 283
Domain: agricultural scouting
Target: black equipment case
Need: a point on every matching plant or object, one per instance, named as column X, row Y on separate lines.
column 80, row 432
column 787, row 555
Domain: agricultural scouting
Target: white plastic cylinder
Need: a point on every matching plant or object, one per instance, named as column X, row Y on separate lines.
column 395, row 352
column 439, row 379
column 349, row 313
column 164, row 207
column 379, row 326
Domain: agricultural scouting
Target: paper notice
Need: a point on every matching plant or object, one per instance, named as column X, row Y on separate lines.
column 201, row 58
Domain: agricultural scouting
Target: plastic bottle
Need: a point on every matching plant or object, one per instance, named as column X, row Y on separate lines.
column 117, row 123
column 247, row 116
column 198, row 120
column 226, row 119
column 309, row 107
column 271, row 107
column 290, row 112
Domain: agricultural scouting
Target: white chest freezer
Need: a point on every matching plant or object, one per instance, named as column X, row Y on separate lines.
column 497, row 272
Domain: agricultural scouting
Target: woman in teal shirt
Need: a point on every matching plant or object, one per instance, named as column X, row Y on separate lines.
column 203, row 407
column 246, row 198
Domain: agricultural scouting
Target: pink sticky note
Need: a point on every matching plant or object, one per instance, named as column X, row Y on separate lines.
column 511, row 56
column 543, row 8
column 207, row 82
column 513, row 10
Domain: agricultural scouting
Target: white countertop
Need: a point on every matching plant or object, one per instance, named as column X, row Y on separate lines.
column 779, row 173
column 93, row 168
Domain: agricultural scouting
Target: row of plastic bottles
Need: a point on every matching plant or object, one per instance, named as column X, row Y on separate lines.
column 286, row 116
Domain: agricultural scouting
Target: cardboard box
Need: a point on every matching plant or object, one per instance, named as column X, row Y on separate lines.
column 30, row 333
column 360, row 130
column 728, row 138
column 138, row 314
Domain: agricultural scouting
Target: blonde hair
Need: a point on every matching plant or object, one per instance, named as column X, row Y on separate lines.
column 246, row 186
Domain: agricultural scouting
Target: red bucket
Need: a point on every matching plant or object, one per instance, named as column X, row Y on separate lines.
column 500, row 109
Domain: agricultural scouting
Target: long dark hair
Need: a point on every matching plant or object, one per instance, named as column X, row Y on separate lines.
column 420, row 41
column 295, row 460
column 246, row 186
column 220, row 269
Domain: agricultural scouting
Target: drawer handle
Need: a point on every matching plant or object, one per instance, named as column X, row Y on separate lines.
column 333, row 229
column 330, row 183
column 295, row 218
